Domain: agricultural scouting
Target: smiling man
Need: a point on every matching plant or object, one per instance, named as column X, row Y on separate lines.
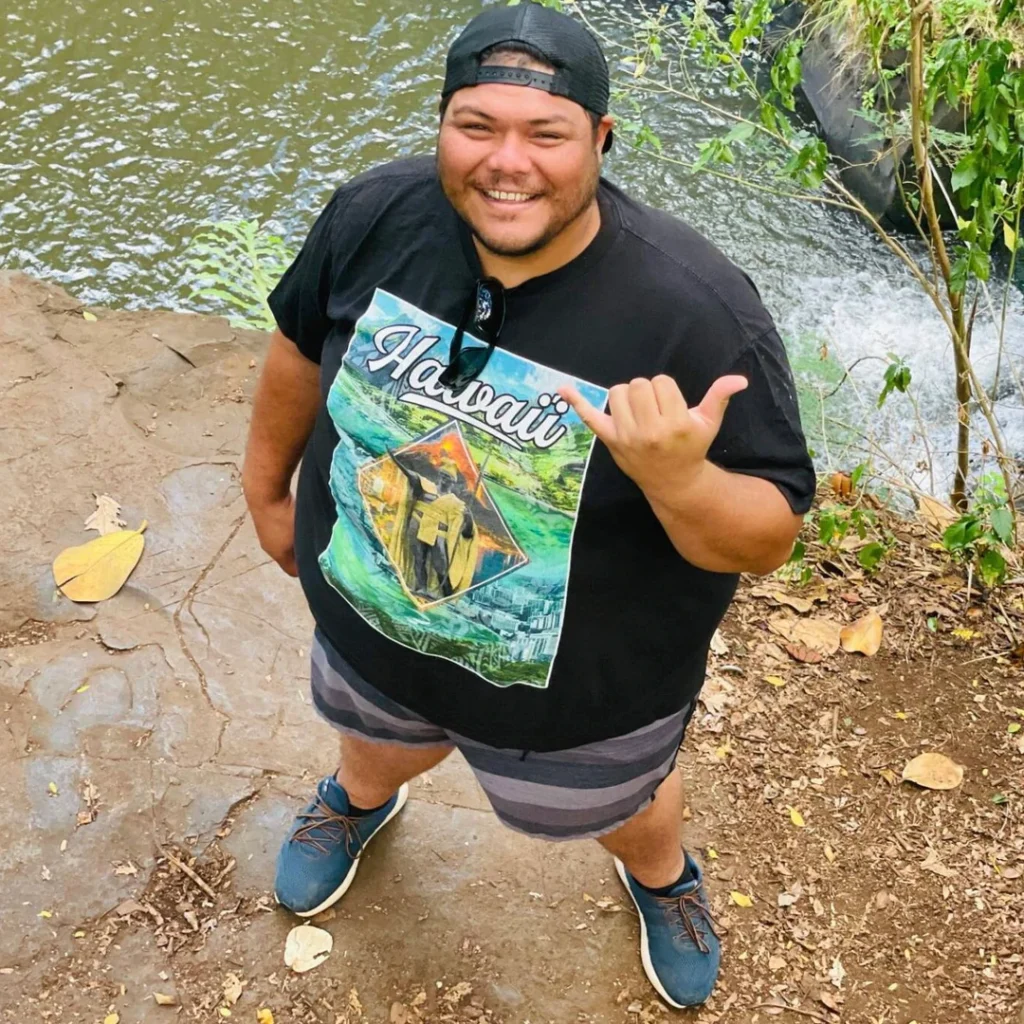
column 545, row 428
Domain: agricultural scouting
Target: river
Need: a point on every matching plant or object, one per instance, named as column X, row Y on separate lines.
column 124, row 126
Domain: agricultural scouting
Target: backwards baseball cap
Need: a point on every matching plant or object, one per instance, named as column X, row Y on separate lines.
column 581, row 72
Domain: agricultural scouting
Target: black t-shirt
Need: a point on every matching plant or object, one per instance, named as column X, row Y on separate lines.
column 481, row 559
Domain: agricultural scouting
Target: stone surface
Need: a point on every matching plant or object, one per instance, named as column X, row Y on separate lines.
column 177, row 715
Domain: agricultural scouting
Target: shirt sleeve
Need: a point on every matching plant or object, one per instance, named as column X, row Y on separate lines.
column 761, row 433
column 299, row 300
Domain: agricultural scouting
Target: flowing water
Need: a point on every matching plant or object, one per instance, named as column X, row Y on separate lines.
column 125, row 125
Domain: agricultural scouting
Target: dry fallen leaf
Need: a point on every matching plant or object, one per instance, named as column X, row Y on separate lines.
column 837, row 973
column 863, row 636
column 264, row 1016
column 933, row 864
column 776, row 963
column 306, row 947
column 107, row 516
column 804, row 654
column 91, row 318
column 232, row 989
column 935, row 514
column 775, row 680
column 830, row 854
column 111, row 1018
column 97, row 570
column 401, row 1014
column 718, row 643
column 740, row 899
column 933, row 771
column 796, row 817
column 161, row 1000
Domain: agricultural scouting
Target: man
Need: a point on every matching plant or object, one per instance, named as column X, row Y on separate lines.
column 566, row 683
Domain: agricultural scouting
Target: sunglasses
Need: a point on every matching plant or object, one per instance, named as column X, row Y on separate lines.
column 484, row 316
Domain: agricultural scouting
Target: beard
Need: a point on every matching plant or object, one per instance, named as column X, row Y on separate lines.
column 565, row 206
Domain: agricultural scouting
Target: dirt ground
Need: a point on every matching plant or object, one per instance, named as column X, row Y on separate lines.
column 155, row 747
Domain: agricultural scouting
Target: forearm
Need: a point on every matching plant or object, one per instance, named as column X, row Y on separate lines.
column 284, row 410
column 728, row 522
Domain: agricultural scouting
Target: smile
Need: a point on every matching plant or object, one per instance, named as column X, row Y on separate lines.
column 508, row 197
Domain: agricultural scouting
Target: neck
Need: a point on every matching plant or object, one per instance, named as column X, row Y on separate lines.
column 564, row 247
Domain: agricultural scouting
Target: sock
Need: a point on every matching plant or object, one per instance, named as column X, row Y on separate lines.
column 664, row 890
column 359, row 812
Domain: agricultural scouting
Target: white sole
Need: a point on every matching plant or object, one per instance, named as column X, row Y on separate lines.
column 403, row 796
column 645, row 952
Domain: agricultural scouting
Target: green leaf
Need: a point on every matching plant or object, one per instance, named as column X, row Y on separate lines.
column 1000, row 798
column 1001, row 521
column 965, row 172
column 871, row 555
column 955, row 535
column 992, row 568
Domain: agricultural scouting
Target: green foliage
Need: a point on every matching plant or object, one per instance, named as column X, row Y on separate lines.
column 896, row 378
column 980, row 536
column 236, row 265
column 829, row 526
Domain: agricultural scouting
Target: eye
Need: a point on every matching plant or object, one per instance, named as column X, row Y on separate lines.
column 549, row 136
column 475, row 127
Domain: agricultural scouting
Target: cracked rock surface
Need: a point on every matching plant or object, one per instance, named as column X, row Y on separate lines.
column 174, row 721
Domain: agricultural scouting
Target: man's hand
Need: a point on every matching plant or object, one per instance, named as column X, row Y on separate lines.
column 275, row 528
column 653, row 436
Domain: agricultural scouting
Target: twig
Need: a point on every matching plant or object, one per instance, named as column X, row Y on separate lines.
column 792, row 1009
column 191, row 874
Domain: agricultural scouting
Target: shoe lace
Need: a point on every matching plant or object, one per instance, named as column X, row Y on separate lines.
column 697, row 918
column 333, row 828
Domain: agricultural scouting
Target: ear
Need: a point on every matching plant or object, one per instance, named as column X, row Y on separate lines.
column 605, row 125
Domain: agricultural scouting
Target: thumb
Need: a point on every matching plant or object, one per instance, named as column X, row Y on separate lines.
column 716, row 401
column 599, row 422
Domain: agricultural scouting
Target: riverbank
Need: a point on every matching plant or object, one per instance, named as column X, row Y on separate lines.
column 173, row 721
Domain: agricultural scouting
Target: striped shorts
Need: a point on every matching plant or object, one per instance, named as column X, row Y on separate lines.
column 583, row 792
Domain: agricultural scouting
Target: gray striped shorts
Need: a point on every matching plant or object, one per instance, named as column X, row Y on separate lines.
column 583, row 792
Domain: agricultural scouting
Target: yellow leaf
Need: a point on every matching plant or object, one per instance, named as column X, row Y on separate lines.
column 889, row 775
column 864, row 635
column 964, row 634
column 712, row 853
column 52, row 787
column 79, row 935
column 901, row 715
column 796, row 817
column 225, row 1012
column 723, row 751
column 97, row 570
column 933, row 771
column 740, row 899
column 1009, row 236
column 161, row 1000
column 264, row 1016
column 82, row 688
column 45, row 913
column 112, row 1018
column 775, row 680
column 91, row 317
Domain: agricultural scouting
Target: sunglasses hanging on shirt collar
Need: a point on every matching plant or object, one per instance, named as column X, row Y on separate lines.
column 483, row 317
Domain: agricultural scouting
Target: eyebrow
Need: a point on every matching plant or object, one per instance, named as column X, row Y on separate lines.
column 476, row 112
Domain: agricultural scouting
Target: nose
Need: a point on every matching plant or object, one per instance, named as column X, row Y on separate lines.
column 510, row 156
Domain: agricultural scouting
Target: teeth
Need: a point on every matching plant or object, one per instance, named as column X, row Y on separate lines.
column 509, row 197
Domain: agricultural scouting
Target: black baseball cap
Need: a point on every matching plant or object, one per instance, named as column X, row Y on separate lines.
column 581, row 71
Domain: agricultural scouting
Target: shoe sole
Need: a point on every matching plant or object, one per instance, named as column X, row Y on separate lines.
column 403, row 796
column 645, row 952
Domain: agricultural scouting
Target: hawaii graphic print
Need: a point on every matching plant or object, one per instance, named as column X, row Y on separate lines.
column 455, row 513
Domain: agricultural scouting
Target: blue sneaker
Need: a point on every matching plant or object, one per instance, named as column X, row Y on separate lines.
column 320, row 857
column 678, row 943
